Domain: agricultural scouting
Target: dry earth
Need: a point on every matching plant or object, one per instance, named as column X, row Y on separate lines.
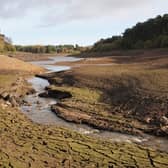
column 131, row 93
column 26, row 144
column 11, row 64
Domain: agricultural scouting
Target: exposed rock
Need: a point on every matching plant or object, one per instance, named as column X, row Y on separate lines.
column 24, row 102
column 44, row 94
column 165, row 129
column 10, row 98
column 164, row 120
column 4, row 106
column 31, row 91
column 79, row 117
column 13, row 101
column 70, row 116
column 57, row 94
column 38, row 102
column 4, row 95
column 148, row 120
column 8, row 103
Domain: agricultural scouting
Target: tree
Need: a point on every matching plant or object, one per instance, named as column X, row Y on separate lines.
column 148, row 44
column 139, row 44
column 164, row 41
column 149, row 34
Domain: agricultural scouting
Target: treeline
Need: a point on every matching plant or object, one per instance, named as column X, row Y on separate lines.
column 48, row 48
column 150, row 34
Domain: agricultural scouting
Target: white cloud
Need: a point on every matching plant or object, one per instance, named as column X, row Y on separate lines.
column 62, row 11
column 95, row 9
column 18, row 8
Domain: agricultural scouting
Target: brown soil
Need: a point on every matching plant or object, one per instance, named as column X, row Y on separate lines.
column 14, row 65
column 133, row 98
column 13, row 84
column 26, row 144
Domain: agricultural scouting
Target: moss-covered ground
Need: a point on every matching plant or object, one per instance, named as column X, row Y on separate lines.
column 25, row 144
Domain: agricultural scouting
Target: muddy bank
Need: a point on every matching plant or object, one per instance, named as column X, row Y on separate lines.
column 80, row 114
column 129, row 97
column 15, row 95
column 58, row 144
column 72, row 115
column 13, row 83
column 24, row 143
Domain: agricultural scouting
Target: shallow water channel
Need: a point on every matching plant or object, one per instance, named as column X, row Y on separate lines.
column 38, row 110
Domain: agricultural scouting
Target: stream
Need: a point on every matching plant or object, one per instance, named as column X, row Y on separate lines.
column 38, row 110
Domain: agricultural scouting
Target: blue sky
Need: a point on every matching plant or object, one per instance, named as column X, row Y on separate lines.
column 73, row 21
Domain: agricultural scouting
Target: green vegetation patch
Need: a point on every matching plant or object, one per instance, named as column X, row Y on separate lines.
column 82, row 94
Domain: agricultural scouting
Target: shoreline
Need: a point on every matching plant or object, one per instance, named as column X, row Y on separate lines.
column 62, row 111
column 58, row 79
column 27, row 57
column 62, row 95
column 24, row 143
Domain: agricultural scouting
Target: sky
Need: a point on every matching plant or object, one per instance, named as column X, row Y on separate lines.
column 83, row 22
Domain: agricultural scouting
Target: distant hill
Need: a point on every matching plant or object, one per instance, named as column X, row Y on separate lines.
column 6, row 44
column 150, row 34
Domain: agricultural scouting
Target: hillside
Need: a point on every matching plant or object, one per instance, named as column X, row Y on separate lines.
column 13, row 85
column 150, row 34
column 5, row 44
column 8, row 64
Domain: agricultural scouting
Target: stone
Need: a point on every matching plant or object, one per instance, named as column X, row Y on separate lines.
column 31, row 91
column 13, row 102
column 44, row 94
column 4, row 106
column 8, row 103
column 57, row 94
column 4, row 95
column 165, row 129
column 164, row 120
column 148, row 120
column 38, row 102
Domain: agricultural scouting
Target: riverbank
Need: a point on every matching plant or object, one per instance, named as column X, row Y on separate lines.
column 13, row 83
column 123, row 94
column 24, row 143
